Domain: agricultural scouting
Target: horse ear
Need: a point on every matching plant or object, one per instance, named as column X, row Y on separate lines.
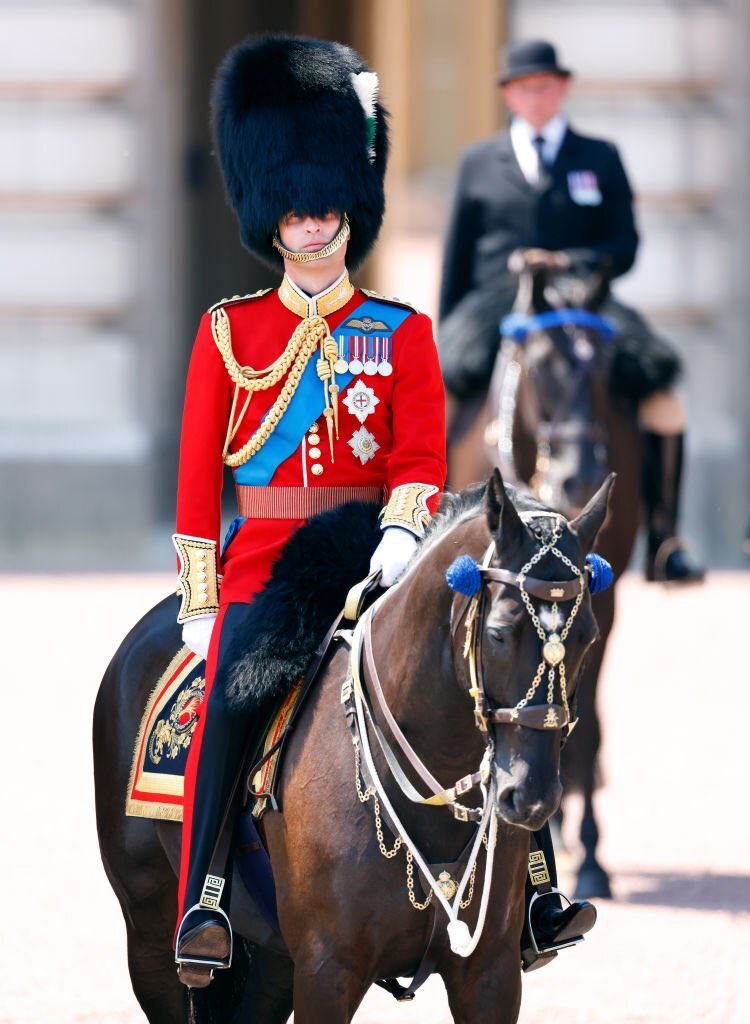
column 589, row 522
column 502, row 518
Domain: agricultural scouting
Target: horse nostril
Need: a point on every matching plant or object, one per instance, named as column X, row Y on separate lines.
column 518, row 806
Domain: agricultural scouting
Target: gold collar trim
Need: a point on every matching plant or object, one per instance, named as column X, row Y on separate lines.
column 322, row 304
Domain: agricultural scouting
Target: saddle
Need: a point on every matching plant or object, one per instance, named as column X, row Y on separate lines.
column 263, row 774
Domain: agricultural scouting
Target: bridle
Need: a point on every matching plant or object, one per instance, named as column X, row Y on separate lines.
column 471, row 580
column 466, row 574
column 560, row 427
column 472, row 611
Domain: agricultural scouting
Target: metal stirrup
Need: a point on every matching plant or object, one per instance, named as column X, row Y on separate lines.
column 567, row 942
column 219, row 965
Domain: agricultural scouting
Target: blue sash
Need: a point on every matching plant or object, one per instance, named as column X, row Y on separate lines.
column 370, row 319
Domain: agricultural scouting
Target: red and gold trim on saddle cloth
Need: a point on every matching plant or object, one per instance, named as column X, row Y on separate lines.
column 264, row 780
column 157, row 776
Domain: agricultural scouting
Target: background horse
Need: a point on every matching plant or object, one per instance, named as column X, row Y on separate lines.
column 350, row 914
column 550, row 421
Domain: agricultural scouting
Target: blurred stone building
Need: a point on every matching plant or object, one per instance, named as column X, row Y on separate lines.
column 115, row 236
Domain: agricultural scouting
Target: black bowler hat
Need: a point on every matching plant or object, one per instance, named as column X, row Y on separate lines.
column 534, row 57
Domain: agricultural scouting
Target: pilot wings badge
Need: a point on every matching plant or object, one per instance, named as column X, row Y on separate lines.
column 366, row 324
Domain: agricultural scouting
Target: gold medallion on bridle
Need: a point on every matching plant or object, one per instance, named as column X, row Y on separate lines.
column 553, row 651
column 447, row 885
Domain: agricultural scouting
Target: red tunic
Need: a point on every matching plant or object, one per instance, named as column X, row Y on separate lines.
column 408, row 423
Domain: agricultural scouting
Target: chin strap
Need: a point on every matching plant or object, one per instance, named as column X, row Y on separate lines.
column 311, row 257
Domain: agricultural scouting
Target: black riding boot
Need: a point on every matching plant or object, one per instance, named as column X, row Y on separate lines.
column 204, row 940
column 666, row 558
column 552, row 927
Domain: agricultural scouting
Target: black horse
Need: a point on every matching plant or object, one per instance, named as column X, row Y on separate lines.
column 553, row 421
column 349, row 908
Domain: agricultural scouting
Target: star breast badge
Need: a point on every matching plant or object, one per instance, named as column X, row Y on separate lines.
column 361, row 400
column 363, row 445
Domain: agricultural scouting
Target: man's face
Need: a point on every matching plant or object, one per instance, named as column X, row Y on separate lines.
column 303, row 233
column 536, row 98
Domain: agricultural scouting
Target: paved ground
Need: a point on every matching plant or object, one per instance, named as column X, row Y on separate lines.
column 668, row 950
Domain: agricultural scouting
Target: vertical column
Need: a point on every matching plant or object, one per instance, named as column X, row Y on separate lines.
column 437, row 62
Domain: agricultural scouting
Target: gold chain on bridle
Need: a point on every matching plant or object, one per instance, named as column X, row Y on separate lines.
column 553, row 646
column 365, row 795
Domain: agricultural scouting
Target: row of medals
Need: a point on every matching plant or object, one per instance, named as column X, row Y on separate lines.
column 376, row 351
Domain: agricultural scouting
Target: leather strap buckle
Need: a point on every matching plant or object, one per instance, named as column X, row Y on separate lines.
column 464, row 785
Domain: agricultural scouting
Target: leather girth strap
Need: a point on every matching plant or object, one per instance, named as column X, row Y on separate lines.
column 425, row 968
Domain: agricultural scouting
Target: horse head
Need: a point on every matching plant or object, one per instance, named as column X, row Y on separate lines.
column 557, row 348
column 533, row 625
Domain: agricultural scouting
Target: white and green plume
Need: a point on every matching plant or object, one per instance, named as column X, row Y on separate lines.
column 366, row 86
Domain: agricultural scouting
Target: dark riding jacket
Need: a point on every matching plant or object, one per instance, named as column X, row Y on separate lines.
column 496, row 210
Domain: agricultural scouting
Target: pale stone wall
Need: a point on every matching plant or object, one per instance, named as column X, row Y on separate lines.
column 82, row 159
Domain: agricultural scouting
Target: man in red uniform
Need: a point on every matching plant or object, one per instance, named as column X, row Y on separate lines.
column 315, row 394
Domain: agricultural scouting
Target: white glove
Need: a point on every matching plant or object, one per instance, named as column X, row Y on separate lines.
column 196, row 634
column 393, row 554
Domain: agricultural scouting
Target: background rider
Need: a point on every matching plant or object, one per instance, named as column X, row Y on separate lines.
column 540, row 185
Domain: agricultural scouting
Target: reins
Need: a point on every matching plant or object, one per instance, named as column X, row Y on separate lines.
column 474, row 579
column 359, row 716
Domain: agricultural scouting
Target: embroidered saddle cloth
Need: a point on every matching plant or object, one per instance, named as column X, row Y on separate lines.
column 156, row 785
column 270, row 651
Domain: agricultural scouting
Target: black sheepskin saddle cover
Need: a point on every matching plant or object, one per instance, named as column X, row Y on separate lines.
column 276, row 640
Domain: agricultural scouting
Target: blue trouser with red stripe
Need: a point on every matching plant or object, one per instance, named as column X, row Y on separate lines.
column 216, row 753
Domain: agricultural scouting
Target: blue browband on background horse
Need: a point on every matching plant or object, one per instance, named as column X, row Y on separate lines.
column 518, row 325
column 465, row 577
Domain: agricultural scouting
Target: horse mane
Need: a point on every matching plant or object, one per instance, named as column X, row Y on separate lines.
column 468, row 503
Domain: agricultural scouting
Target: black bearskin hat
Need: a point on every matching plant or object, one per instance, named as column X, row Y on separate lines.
column 298, row 128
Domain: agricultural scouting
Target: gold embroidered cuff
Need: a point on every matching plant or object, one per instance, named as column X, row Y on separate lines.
column 199, row 583
column 407, row 508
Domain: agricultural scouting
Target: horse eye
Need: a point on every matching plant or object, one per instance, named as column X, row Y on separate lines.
column 499, row 633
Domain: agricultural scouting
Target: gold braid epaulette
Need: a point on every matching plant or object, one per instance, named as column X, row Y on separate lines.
column 387, row 298
column 239, row 298
column 308, row 336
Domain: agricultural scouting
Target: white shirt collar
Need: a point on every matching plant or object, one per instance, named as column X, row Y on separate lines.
column 522, row 136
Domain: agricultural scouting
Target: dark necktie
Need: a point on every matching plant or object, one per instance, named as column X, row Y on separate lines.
column 544, row 166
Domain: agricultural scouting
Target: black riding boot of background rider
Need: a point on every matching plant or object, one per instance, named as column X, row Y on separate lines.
column 553, row 926
column 666, row 558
